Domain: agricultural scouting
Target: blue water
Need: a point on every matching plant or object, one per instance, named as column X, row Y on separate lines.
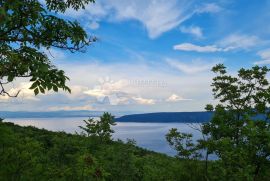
column 147, row 135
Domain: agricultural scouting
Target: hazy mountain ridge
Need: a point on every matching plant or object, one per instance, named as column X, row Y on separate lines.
column 54, row 114
column 173, row 117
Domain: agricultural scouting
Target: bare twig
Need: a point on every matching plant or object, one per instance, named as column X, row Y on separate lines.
column 3, row 92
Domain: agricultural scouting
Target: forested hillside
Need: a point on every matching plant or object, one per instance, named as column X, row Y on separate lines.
column 28, row 153
column 166, row 117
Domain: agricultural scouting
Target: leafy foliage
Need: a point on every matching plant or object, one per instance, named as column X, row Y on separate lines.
column 239, row 132
column 100, row 128
column 28, row 153
column 183, row 143
column 26, row 28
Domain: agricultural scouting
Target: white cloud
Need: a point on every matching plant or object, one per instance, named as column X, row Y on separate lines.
column 262, row 62
column 117, row 92
column 141, row 100
column 77, row 90
column 106, row 87
column 197, row 48
column 176, row 98
column 92, row 11
column 96, row 92
column 209, row 8
column 193, row 30
column 158, row 16
column 265, row 57
column 231, row 42
column 264, row 54
column 193, row 67
column 151, row 13
column 71, row 108
column 239, row 41
column 24, row 92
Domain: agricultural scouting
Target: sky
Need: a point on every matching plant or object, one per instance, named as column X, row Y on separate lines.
column 154, row 55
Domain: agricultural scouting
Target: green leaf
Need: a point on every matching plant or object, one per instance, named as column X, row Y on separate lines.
column 41, row 90
column 43, row 28
column 34, row 85
column 49, row 86
column 10, row 78
column 55, row 88
column 36, row 91
column 68, row 89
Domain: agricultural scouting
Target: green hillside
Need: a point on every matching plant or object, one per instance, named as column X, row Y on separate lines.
column 28, row 153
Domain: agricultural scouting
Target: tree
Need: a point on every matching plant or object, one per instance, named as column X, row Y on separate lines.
column 26, row 28
column 183, row 144
column 187, row 152
column 100, row 128
column 239, row 131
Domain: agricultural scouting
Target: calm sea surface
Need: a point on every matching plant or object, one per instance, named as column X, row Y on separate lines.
column 146, row 135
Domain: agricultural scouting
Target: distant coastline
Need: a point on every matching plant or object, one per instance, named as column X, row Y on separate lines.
column 168, row 117
column 53, row 114
column 158, row 117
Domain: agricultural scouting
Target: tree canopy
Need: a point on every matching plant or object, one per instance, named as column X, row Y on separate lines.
column 100, row 128
column 28, row 153
column 239, row 131
column 27, row 28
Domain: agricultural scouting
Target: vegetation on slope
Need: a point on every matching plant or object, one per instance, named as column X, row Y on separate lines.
column 239, row 132
column 28, row 153
column 239, row 139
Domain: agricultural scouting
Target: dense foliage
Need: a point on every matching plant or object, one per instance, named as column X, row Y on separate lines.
column 27, row 28
column 28, row 153
column 239, row 132
column 101, row 128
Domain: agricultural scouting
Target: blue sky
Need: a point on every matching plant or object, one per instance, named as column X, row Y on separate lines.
column 154, row 55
